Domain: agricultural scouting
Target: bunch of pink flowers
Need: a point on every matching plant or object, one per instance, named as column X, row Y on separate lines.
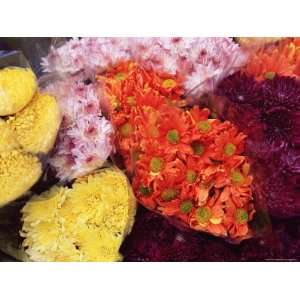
column 84, row 139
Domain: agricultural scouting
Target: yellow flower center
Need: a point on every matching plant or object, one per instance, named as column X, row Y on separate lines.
column 169, row 84
column 131, row 100
column 156, row 164
column 204, row 126
column 169, row 194
column 126, row 130
column 173, row 136
column 115, row 103
column 203, row 214
column 186, row 206
column 120, row 76
column 229, row 149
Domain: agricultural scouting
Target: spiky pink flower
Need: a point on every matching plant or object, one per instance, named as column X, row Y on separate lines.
column 84, row 139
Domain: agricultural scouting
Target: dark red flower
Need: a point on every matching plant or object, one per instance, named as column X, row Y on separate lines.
column 280, row 127
column 153, row 238
column 283, row 196
column 281, row 92
column 240, row 88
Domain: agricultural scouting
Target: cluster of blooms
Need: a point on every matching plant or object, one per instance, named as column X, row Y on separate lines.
column 85, row 222
column 84, row 139
column 282, row 58
column 186, row 164
column 28, row 129
column 202, row 62
column 153, row 238
column 264, row 102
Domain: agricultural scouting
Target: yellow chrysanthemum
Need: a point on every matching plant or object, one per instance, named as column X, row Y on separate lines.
column 87, row 222
column 36, row 126
column 17, row 87
column 8, row 140
column 18, row 172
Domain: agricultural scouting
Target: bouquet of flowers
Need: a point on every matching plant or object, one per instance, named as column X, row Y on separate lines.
column 263, row 99
column 186, row 163
column 205, row 130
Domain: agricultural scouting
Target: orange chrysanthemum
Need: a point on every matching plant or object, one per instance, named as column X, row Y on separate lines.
column 283, row 60
column 185, row 164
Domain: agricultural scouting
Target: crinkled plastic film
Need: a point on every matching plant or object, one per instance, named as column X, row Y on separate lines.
column 22, row 141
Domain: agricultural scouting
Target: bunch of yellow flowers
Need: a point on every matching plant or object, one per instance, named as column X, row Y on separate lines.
column 86, row 222
column 29, row 122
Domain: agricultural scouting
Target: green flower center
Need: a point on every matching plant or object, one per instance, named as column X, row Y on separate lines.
column 186, row 207
column 156, row 164
column 126, row 130
column 237, row 177
column 198, row 148
column 173, row 136
column 204, row 126
column 229, row 149
column 136, row 155
column 169, row 83
column 120, row 76
column 169, row 194
column 270, row 75
column 145, row 191
column 241, row 216
column 191, row 176
column 214, row 115
column 203, row 214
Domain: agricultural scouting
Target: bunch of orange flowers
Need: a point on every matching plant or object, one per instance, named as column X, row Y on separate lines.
column 281, row 59
column 184, row 163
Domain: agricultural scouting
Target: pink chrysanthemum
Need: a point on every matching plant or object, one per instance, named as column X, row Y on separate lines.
column 87, row 55
column 202, row 62
column 84, row 139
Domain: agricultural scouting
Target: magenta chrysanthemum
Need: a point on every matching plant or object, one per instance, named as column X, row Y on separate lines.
column 84, row 140
column 202, row 62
